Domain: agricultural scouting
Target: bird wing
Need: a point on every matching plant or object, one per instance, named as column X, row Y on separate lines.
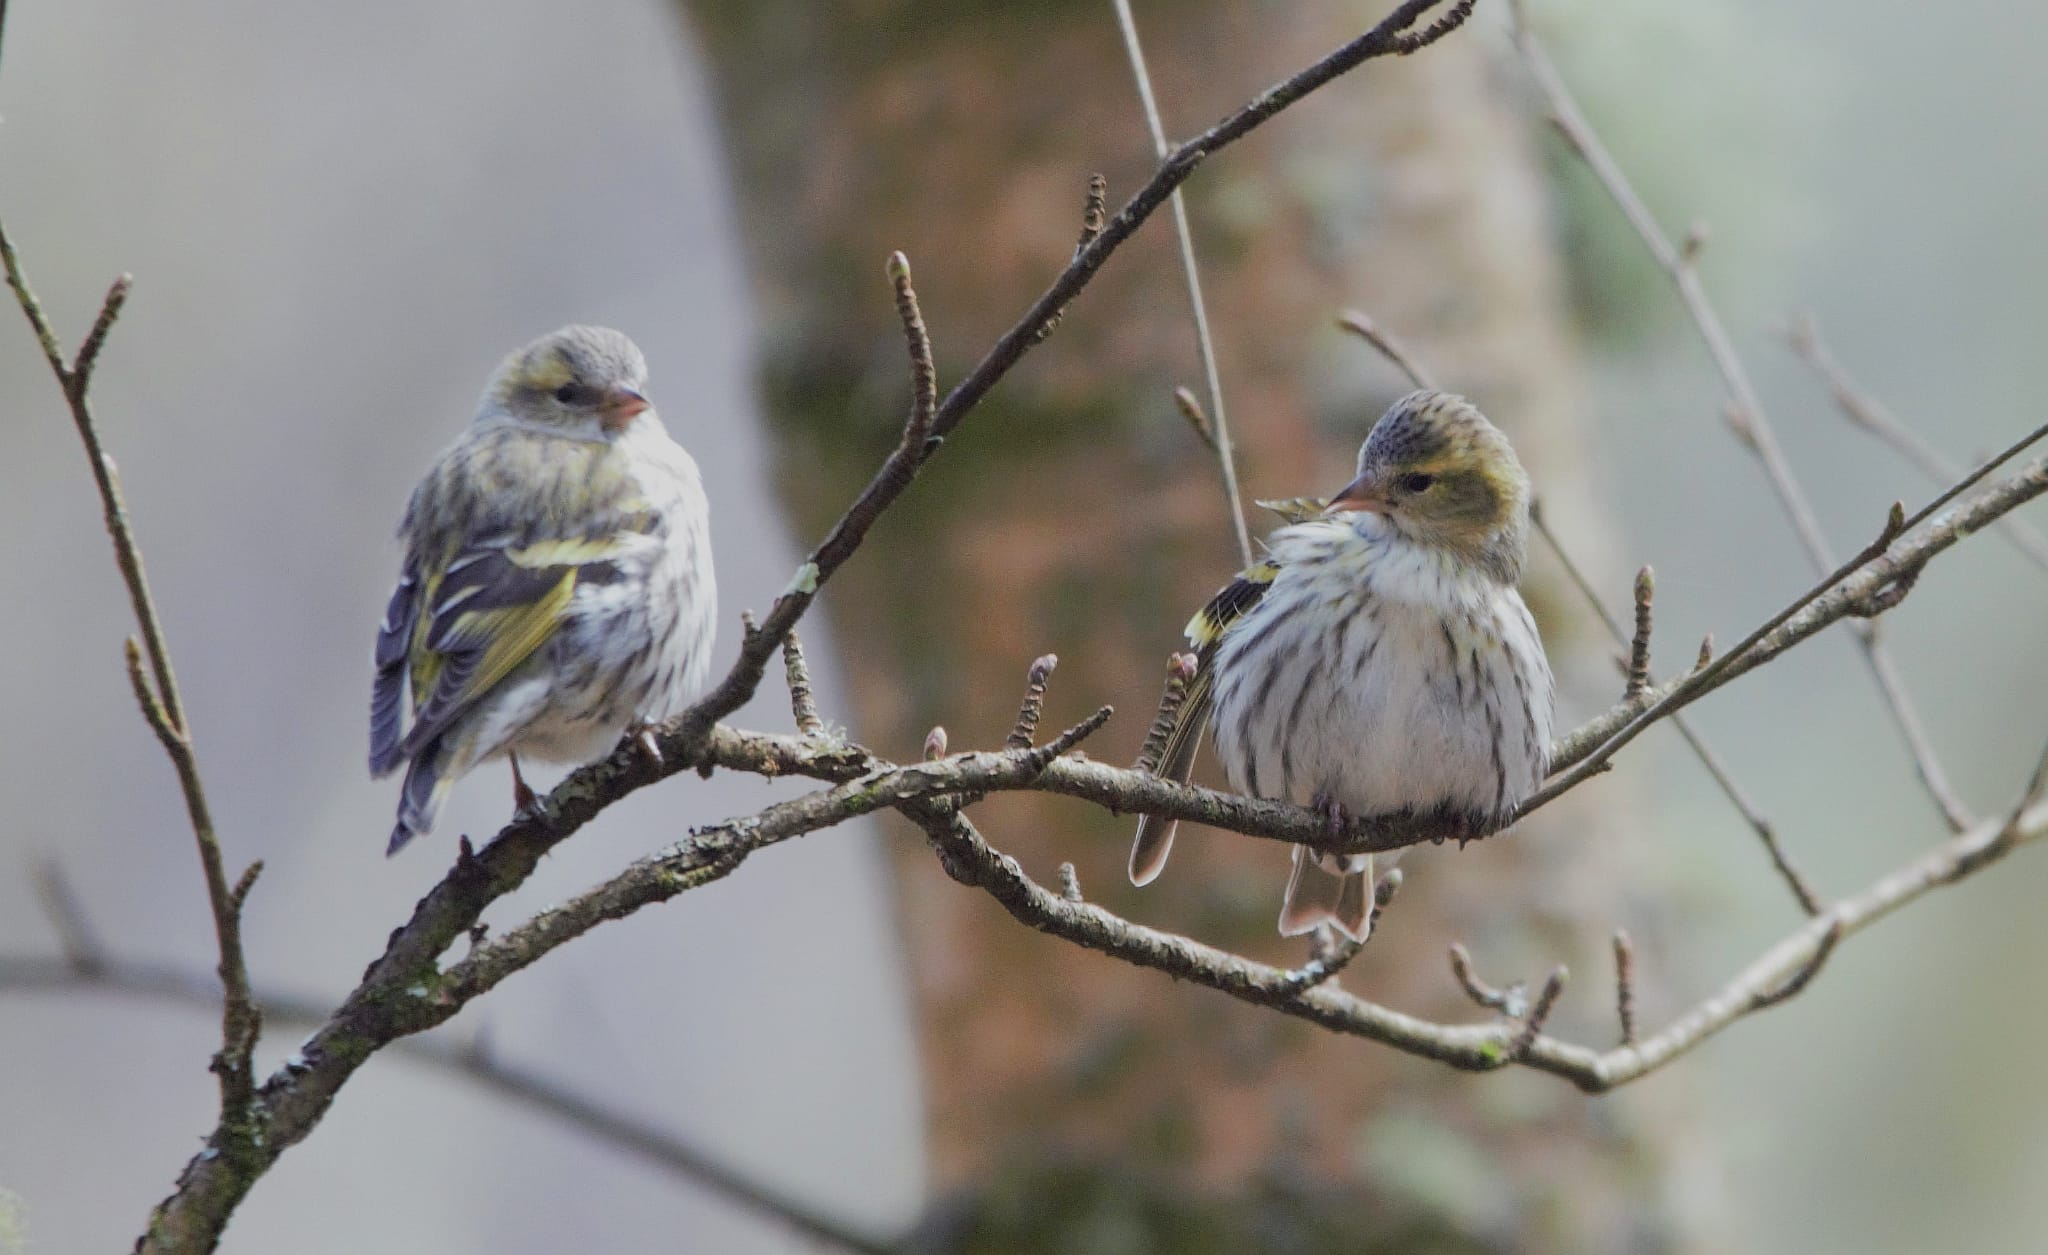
column 1205, row 632
column 490, row 609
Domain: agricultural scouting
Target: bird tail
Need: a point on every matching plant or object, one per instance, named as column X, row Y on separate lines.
column 1328, row 889
column 427, row 782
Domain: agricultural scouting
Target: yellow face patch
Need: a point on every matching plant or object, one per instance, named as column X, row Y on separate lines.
column 546, row 371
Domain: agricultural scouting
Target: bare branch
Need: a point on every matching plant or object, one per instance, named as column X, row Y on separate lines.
column 1180, row 669
column 1800, row 979
column 1026, row 728
column 161, row 704
column 924, row 376
column 1358, row 323
column 1476, row 989
column 1638, row 681
column 1870, row 414
column 1625, row 985
column 1539, row 1015
column 1205, row 346
column 1198, row 422
column 1746, row 412
column 797, row 674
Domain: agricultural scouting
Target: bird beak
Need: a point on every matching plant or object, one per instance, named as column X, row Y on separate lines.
column 1362, row 493
column 621, row 406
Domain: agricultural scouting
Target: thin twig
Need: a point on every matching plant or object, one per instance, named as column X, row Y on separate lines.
column 1539, row 1015
column 160, row 701
column 1025, row 730
column 1638, row 675
column 1205, row 347
column 1625, row 985
column 1198, row 422
column 1800, row 979
column 1358, row 323
column 924, row 375
column 1501, row 1000
column 1747, row 411
column 1872, row 415
column 797, row 674
column 1180, row 669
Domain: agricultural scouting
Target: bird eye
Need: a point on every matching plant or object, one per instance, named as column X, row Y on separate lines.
column 1414, row 481
column 568, row 394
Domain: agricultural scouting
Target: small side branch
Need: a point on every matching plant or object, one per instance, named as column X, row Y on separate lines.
column 797, row 673
column 157, row 694
column 1625, row 985
column 1180, row 669
column 1638, row 681
column 1358, row 323
column 1025, row 731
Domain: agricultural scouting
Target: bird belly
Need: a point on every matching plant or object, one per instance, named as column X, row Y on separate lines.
column 1380, row 706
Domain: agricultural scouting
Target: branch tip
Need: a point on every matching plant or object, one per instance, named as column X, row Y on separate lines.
column 1639, row 646
column 96, row 339
column 797, row 675
column 924, row 376
column 1026, row 728
column 1360, row 324
column 1070, row 883
column 1180, row 669
column 1191, row 410
column 1539, row 1014
column 1625, row 985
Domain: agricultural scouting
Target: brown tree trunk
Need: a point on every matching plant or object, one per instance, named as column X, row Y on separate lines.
column 1076, row 514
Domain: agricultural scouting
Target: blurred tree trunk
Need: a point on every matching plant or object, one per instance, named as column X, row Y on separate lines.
column 1078, row 1104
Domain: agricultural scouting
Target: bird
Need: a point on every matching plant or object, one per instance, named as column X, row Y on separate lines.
column 1378, row 661
column 557, row 588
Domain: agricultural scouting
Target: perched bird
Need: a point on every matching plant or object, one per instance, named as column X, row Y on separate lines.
column 1379, row 660
column 557, row 588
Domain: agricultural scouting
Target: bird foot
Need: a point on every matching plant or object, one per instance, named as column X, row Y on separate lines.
column 650, row 749
column 524, row 801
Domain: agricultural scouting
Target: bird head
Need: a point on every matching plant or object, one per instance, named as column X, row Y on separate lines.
column 1441, row 475
column 588, row 381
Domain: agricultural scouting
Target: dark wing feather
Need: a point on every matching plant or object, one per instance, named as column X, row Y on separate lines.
column 493, row 608
column 387, row 693
column 1205, row 631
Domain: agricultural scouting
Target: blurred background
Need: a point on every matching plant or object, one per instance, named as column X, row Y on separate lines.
column 340, row 217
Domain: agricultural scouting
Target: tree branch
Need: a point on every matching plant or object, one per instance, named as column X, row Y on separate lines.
column 1746, row 413
column 161, row 704
column 1218, row 428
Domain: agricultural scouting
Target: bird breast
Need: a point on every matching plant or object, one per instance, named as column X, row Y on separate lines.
column 1384, row 676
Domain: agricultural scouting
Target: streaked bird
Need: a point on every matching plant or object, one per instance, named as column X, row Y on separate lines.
column 1379, row 661
column 557, row 589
